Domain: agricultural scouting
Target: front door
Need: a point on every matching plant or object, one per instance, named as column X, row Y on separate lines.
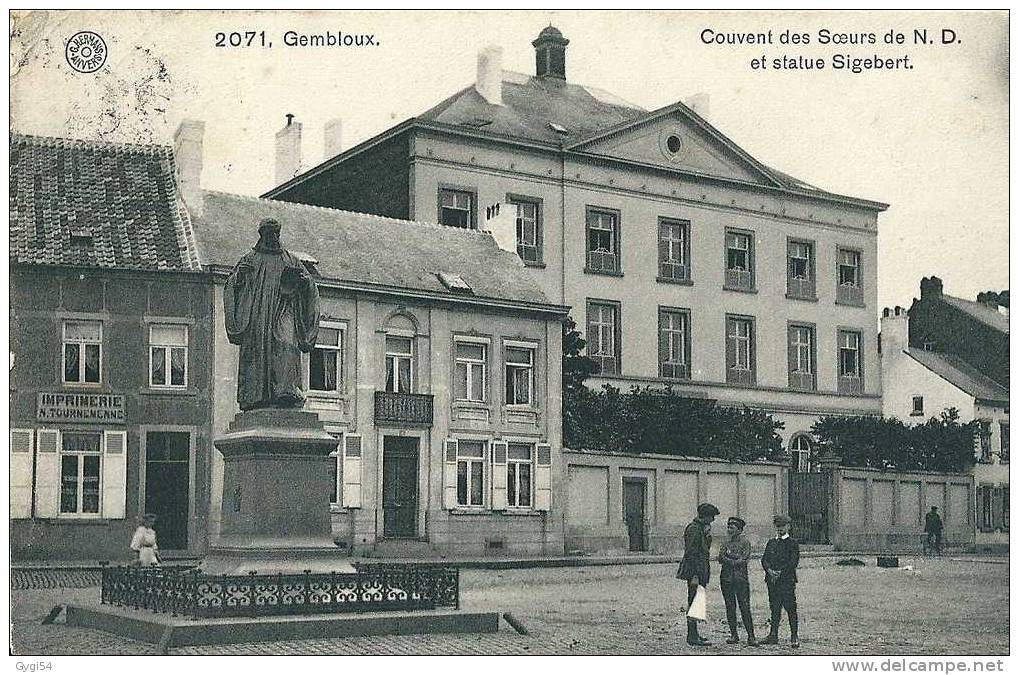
column 399, row 486
column 633, row 512
column 167, row 481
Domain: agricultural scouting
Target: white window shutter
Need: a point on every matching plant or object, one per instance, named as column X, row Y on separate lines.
column 352, row 471
column 449, row 474
column 114, row 474
column 21, row 473
column 499, row 449
column 47, row 473
column 543, row 478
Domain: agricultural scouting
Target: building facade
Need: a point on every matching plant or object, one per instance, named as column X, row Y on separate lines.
column 927, row 366
column 753, row 287
column 110, row 371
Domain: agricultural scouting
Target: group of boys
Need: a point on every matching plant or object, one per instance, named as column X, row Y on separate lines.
column 780, row 559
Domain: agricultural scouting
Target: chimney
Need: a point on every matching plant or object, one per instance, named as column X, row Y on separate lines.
column 333, row 141
column 550, row 53
column 489, row 82
column 930, row 288
column 501, row 223
column 288, row 150
column 894, row 331
column 699, row 103
column 187, row 156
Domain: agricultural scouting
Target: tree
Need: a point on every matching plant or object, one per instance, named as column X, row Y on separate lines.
column 576, row 366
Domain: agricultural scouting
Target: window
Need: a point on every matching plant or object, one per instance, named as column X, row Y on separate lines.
column 518, row 475
column 470, row 473
column 528, row 228
column 850, row 286
column 519, row 375
column 168, row 356
column 739, row 350
column 602, row 336
column 456, row 208
column 80, row 460
column 399, row 362
column 602, row 241
column 802, row 355
column 1003, row 429
column 739, row 260
column 674, row 343
column 985, row 440
column 917, row 406
column 83, row 351
column 850, row 363
column 325, row 365
column 800, row 449
column 800, row 268
column 673, row 250
column 469, row 378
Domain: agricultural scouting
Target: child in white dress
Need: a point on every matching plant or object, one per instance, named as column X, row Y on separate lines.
column 144, row 541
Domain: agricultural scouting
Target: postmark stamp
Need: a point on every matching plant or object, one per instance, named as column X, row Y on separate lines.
column 86, row 51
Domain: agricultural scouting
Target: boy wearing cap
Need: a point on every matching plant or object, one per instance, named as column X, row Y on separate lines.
column 781, row 556
column 696, row 565
column 735, row 579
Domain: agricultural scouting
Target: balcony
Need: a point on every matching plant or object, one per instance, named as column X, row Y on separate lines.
column 393, row 408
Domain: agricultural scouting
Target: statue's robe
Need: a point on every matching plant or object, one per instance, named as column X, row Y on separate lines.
column 271, row 310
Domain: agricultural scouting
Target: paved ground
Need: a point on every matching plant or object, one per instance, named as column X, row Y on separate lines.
column 942, row 607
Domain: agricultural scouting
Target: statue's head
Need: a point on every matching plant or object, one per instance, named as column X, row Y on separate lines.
column 269, row 235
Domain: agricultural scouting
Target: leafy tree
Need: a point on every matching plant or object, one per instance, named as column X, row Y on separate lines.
column 940, row 444
column 576, row 366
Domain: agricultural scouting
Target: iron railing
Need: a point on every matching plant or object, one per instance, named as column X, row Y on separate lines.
column 372, row 587
column 403, row 408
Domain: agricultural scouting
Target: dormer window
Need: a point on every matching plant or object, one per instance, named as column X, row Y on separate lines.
column 455, row 283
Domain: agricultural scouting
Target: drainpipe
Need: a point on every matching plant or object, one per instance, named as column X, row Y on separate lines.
column 562, row 223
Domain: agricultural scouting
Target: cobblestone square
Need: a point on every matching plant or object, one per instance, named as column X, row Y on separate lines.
column 637, row 609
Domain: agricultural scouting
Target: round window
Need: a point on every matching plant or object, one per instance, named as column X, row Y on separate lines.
column 673, row 144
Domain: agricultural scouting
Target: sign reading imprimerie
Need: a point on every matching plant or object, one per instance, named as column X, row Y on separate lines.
column 94, row 408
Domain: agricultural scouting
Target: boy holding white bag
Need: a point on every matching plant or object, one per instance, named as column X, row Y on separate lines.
column 696, row 568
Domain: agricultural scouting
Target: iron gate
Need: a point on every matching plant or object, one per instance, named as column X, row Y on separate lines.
column 809, row 499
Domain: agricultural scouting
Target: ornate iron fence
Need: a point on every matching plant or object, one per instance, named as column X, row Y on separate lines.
column 372, row 587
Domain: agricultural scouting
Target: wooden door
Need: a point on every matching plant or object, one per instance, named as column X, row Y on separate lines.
column 167, row 486
column 399, row 486
column 634, row 492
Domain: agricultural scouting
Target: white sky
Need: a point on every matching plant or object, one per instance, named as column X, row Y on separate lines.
column 931, row 141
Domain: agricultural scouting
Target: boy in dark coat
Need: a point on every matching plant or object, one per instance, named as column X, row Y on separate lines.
column 696, row 565
column 781, row 556
column 735, row 579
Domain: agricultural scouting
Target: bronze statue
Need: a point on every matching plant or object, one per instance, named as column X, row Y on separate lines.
column 271, row 307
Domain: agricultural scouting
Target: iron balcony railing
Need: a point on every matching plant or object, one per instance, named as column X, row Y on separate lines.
column 403, row 408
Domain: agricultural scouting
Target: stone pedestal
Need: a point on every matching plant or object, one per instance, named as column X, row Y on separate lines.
column 276, row 484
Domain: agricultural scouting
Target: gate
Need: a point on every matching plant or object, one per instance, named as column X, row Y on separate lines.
column 809, row 500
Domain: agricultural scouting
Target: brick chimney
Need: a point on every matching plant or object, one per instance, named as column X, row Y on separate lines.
column 188, row 143
column 930, row 288
column 894, row 330
column 288, row 150
column 550, row 53
column 333, row 138
column 501, row 222
column 489, row 82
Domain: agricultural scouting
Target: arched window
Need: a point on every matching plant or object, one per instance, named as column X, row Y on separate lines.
column 800, row 448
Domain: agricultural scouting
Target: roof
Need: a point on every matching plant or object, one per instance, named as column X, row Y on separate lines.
column 983, row 313
column 367, row 249
column 96, row 204
column 531, row 104
column 961, row 374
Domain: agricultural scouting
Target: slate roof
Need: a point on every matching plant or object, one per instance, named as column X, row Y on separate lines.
column 366, row 249
column 961, row 374
column 530, row 104
column 979, row 311
column 95, row 204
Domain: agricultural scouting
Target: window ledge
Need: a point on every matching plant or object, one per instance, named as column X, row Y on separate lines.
column 71, row 520
column 155, row 391
column 805, row 298
column 86, row 386
column 470, row 511
column 471, row 405
column 737, row 289
column 534, row 263
column 525, row 511
column 336, row 508
column 849, row 304
column 916, row 414
column 807, row 390
column 678, row 282
column 604, row 273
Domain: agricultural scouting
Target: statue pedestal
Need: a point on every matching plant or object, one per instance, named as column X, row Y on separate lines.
column 276, row 485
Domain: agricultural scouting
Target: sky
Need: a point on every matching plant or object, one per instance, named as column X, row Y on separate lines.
column 931, row 141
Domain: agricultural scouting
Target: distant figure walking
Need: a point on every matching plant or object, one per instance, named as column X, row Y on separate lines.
column 735, row 580
column 144, row 542
column 934, row 527
column 696, row 565
column 781, row 557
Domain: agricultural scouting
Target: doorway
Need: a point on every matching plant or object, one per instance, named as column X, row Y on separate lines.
column 399, row 486
column 634, row 495
column 167, row 486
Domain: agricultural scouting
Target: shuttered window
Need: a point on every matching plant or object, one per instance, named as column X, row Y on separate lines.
column 21, row 456
column 352, row 462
